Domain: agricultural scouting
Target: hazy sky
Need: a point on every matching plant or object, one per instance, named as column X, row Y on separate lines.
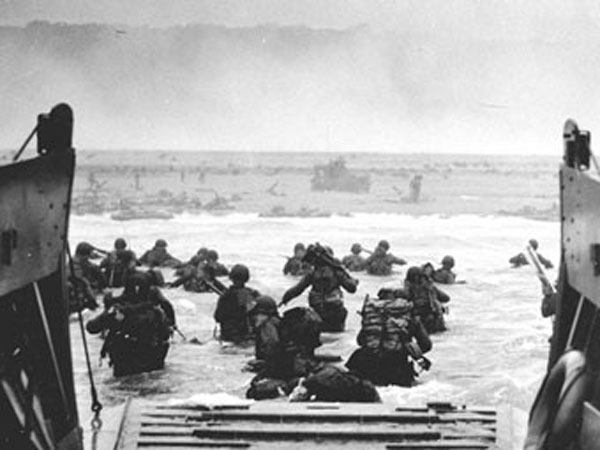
column 437, row 75
column 507, row 19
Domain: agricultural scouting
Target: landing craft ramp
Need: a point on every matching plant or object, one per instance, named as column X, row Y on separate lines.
column 282, row 425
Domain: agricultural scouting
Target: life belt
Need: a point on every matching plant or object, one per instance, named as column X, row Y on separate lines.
column 555, row 416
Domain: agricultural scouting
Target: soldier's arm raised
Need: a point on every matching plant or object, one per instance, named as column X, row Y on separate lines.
column 296, row 290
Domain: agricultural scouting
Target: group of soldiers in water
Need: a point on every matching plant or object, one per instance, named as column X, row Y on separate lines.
column 138, row 324
column 395, row 327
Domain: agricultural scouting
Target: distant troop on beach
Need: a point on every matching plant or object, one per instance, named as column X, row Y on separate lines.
column 392, row 341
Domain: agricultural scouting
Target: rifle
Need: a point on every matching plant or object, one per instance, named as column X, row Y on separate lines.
column 316, row 252
column 541, row 274
column 99, row 250
column 363, row 249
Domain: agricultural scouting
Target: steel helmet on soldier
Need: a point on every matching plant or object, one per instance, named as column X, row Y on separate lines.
column 239, row 273
column 264, row 305
column 448, row 261
column 212, row 255
column 120, row 244
column 84, row 249
column 414, row 274
column 534, row 243
column 385, row 245
column 160, row 243
column 356, row 248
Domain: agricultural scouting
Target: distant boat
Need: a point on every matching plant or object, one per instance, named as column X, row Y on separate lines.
column 140, row 214
column 335, row 176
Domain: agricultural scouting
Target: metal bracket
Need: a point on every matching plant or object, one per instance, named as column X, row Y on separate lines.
column 595, row 250
column 8, row 243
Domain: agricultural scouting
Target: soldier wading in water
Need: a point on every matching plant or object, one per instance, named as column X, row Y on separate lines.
column 326, row 280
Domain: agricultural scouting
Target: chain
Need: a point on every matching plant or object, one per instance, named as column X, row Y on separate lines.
column 96, row 405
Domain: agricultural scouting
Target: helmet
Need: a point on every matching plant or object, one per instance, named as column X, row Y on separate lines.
column 356, row 248
column 137, row 286
column 428, row 267
column 84, row 249
column 155, row 277
column 299, row 246
column 160, row 243
column 448, row 261
column 120, row 244
column 414, row 274
column 384, row 245
column 240, row 273
column 264, row 305
column 212, row 255
column 534, row 244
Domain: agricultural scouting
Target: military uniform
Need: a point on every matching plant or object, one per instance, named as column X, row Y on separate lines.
column 284, row 346
column 117, row 265
column 332, row 384
column 444, row 276
column 295, row 265
column 388, row 330
column 83, row 267
column 232, row 313
column 380, row 263
column 138, row 337
column 159, row 257
column 520, row 259
column 326, row 296
column 354, row 263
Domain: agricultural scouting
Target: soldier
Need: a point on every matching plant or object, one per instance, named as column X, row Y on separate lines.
column 213, row 266
column 158, row 256
column 85, row 268
column 444, row 274
column 138, row 330
column 200, row 257
column 326, row 280
column 391, row 341
column 295, row 265
column 233, row 306
column 520, row 259
column 380, row 262
column 118, row 264
column 284, row 347
column 267, row 343
column 354, row 262
column 426, row 300
column 332, row 384
column 414, row 189
column 156, row 281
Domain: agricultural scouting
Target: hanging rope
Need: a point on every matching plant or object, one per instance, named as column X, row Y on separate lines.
column 25, row 144
column 96, row 405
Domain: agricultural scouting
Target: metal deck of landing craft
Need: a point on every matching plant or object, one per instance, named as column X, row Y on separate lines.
column 275, row 425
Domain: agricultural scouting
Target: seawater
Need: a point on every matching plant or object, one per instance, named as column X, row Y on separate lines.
column 494, row 352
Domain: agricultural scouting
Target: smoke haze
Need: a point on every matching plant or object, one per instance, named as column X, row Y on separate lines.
column 424, row 86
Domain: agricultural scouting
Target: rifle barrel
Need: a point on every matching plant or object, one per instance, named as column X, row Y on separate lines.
column 539, row 269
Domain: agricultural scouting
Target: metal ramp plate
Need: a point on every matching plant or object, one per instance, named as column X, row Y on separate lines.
column 276, row 425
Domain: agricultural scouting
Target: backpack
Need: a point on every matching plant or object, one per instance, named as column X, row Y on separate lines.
column 300, row 327
column 145, row 323
column 385, row 324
